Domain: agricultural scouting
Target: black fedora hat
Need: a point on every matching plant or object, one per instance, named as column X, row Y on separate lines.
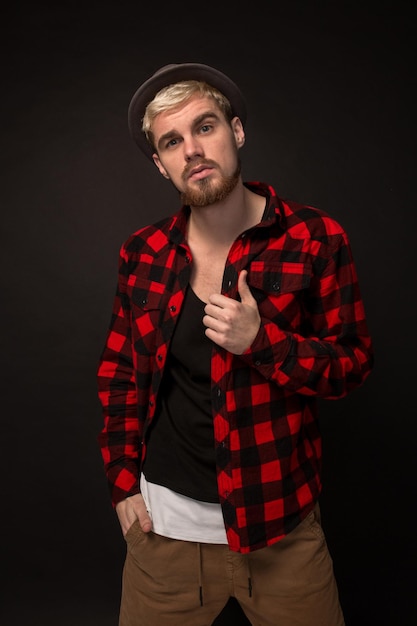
column 174, row 73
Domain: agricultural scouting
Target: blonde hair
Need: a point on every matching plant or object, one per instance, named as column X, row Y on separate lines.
column 173, row 95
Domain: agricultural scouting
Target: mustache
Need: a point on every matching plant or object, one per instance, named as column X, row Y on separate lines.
column 193, row 164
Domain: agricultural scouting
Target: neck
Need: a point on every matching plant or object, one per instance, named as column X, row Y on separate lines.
column 220, row 224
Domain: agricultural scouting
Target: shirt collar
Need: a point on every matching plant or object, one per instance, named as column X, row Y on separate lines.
column 273, row 212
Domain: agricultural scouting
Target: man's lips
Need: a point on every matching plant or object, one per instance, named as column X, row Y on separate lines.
column 200, row 172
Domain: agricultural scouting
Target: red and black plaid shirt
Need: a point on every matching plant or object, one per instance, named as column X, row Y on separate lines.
column 313, row 343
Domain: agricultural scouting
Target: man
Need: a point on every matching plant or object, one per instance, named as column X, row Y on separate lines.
column 231, row 318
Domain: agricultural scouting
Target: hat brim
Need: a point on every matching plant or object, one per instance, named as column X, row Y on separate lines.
column 172, row 74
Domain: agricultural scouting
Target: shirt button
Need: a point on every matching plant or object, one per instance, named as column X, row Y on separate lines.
column 275, row 286
column 173, row 308
column 159, row 357
column 187, row 259
column 257, row 363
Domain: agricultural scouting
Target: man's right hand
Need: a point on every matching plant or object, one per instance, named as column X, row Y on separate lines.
column 132, row 509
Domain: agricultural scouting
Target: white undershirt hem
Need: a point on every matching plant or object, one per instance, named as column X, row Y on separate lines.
column 179, row 517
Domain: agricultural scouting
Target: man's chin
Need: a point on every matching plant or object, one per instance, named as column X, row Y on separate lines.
column 201, row 193
column 207, row 192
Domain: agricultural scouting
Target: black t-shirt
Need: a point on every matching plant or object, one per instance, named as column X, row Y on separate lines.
column 180, row 449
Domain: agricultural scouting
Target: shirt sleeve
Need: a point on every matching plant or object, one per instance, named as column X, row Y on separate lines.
column 337, row 355
column 120, row 436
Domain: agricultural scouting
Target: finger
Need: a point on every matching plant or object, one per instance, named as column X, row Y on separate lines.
column 243, row 287
column 219, row 300
column 213, row 323
column 142, row 514
column 145, row 522
column 214, row 311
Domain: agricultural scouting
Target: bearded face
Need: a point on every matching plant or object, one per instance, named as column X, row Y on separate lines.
column 208, row 190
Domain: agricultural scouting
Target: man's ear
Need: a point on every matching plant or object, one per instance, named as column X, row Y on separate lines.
column 238, row 131
column 159, row 165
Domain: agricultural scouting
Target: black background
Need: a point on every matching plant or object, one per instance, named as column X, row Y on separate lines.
column 329, row 88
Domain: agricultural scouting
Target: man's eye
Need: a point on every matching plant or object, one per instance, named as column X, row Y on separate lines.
column 205, row 128
column 171, row 142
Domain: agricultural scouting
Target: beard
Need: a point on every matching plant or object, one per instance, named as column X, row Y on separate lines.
column 209, row 192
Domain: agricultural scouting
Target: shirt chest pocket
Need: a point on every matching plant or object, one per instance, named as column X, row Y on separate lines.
column 280, row 290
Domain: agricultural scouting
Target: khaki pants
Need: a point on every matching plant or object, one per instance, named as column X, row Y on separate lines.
column 167, row 582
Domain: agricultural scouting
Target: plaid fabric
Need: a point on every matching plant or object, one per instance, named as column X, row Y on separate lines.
column 313, row 343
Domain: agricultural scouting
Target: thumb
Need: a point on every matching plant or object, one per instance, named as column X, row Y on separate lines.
column 243, row 288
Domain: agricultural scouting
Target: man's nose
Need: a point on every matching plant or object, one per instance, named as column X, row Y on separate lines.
column 192, row 148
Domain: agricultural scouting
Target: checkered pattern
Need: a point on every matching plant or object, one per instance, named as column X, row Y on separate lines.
column 313, row 343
